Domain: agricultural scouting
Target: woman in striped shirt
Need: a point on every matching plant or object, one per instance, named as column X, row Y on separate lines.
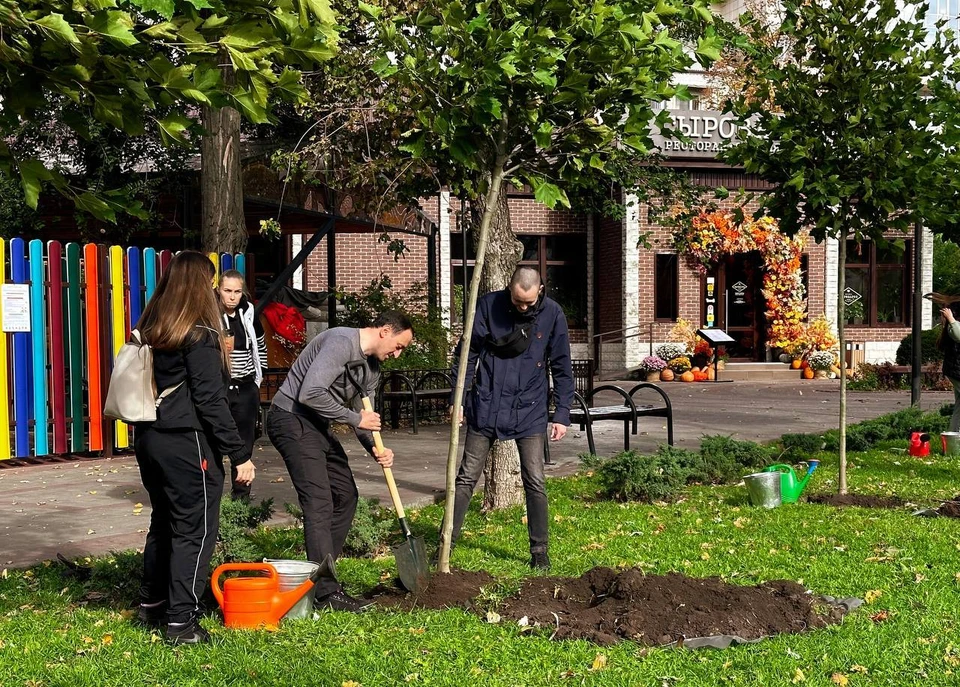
column 248, row 359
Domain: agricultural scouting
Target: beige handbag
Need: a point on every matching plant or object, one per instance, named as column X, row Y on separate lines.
column 132, row 396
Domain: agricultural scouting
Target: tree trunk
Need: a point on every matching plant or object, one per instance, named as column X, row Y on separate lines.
column 453, row 450
column 841, row 317
column 503, row 487
column 224, row 228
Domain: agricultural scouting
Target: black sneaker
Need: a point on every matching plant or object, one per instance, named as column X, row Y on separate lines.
column 152, row 617
column 540, row 560
column 187, row 633
column 341, row 601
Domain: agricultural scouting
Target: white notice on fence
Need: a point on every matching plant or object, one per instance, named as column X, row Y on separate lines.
column 15, row 304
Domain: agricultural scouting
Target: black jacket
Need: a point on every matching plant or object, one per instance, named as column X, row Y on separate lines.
column 200, row 403
column 509, row 395
column 951, row 354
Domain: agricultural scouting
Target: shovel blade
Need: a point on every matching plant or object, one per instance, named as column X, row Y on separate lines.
column 412, row 564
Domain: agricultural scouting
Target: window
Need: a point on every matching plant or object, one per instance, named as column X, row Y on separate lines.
column 877, row 284
column 666, row 287
column 560, row 259
column 942, row 10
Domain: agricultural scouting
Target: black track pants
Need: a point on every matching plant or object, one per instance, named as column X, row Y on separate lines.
column 185, row 483
column 244, row 400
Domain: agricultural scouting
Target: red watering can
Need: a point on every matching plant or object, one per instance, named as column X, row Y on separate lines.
column 252, row 602
column 919, row 444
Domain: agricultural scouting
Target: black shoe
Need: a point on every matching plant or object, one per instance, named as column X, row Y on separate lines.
column 540, row 560
column 341, row 601
column 187, row 633
column 153, row 617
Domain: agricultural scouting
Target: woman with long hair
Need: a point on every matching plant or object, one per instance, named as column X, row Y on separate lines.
column 181, row 453
column 949, row 343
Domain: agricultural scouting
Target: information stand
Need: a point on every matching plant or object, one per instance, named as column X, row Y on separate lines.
column 716, row 338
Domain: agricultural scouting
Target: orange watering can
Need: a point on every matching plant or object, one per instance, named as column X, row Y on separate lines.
column 252, row 602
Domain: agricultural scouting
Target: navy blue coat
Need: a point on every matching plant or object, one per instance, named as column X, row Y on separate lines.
column 508, row 399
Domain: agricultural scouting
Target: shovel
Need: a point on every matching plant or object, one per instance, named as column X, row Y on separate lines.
column 412, row 564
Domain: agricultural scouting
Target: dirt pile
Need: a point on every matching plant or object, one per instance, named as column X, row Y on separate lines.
column 604, row 606
column 860, row 500
column 457, row 589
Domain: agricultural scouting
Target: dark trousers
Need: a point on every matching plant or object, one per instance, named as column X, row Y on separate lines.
column 325, row 486
column 244, row 400
column 185, row 482
column 475, row 450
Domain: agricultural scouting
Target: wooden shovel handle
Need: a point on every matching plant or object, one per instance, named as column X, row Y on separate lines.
column 387, row 472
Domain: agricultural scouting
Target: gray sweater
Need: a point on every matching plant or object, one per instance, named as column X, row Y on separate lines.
column 317, row 383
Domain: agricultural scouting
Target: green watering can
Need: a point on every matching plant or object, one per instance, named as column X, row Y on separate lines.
column 790, row 486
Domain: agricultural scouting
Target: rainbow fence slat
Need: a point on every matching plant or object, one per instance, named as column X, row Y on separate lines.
column 84, row 300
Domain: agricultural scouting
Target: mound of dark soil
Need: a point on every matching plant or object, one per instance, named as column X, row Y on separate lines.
column 860, row 500
column 605, row 607
column 950, row 509
column 456, row 589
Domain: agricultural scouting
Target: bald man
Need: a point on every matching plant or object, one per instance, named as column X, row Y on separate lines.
column 518, row 334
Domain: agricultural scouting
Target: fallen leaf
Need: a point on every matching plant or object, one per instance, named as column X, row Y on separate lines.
column 417, row 630
column 92, row 492
column 880, row 616
column 524, row 621
column 412, row 677
column 493, row 617
column 798, row 676
column 276, row 481
column 350, row 683
column 91, row 531
column 599, row 662
column 857, row 668
column 107, row 639
column 840, row 679
column 872, row 595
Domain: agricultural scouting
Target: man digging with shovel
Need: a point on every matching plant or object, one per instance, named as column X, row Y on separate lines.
column 318, row 392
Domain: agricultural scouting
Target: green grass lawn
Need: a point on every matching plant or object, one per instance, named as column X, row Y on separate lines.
column 910, row 567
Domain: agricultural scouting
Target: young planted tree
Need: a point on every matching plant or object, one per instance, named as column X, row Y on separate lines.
column 123, row 62
column 855, row 125
column 531, row 92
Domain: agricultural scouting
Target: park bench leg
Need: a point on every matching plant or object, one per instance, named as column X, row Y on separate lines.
column 593, row 446
column 626, row 435
column 670, row 429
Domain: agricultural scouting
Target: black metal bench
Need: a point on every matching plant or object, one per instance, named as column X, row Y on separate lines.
column 399, row 386
column 585, row 414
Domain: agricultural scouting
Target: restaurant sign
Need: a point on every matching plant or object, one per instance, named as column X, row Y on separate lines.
column 707, row 133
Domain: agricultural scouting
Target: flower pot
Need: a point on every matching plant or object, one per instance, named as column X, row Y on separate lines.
column 784, row 358
column 653, row 376
column 821, row 374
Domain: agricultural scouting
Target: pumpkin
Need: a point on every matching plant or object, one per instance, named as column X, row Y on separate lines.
column 666, row 375
column 711, row 375
column 687, row 377
column 699, row 376
column 694, row 370
column 808, row 373
column 795, row 364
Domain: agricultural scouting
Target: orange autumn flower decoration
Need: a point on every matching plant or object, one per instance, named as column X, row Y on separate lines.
column 712, row 235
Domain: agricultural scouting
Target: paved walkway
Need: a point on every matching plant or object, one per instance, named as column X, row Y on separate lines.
column 93, row 507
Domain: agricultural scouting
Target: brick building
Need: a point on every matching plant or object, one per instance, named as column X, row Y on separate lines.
column 622, row 298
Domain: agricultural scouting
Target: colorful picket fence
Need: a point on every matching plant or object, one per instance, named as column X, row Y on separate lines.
column 83, row 302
